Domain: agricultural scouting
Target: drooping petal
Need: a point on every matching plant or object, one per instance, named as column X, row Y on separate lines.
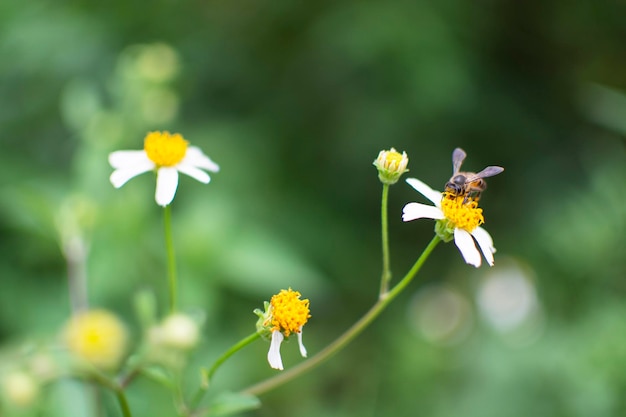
column 196, row 157
column 167, row 182
column 127, row 159
column 485, row 242
column 121, row 176
column 425, row 190
column 466, row 245
column 302, row 348
column 273, row 356
column 414, row 211
column 193, row 172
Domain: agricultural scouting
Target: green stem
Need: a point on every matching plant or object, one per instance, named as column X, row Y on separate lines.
column 207, row 375
column 121, row 399
column 103, row 380
column 233, row 349
column 349, row 334
column 386, row 276
column 171, row 258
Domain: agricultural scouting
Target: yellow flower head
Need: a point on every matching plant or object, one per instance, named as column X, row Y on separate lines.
column 289, row 313
column 165, row 149
column 285, row 314
column 98, row 337
column 462, row 213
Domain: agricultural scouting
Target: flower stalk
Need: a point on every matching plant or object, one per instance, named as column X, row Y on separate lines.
column 208, row 374
column 171, row 257
column 386, row 275
column 123, row 402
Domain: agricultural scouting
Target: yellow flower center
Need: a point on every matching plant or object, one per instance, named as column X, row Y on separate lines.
column 289, row 312
column 165, row 149
column 461, row 213
column 393, row 159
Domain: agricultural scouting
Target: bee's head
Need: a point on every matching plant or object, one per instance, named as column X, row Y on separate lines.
column 456, row 184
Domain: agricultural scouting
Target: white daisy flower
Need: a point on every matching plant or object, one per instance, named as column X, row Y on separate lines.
column 166, row 153
column 457, row 219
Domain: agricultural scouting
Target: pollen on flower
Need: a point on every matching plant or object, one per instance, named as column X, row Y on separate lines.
column 165, row 149
column 461, row 213
column 289, row 312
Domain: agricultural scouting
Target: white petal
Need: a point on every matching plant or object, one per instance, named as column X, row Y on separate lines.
column 125, row 159
column 167, row 182
column 194, row 156
column 466, row 245
column 425, row 190
column 273, row 356
column 121, row 176
column 193, row 172
column 302, row 348
column 485, row 242
column 414, row 211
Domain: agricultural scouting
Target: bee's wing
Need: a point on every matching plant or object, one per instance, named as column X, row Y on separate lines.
column 490, row 171
column 458, row 156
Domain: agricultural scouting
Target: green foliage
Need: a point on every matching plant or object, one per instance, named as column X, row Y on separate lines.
column 294, row 100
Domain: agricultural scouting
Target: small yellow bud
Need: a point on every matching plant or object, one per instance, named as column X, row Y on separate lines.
column 391, row 165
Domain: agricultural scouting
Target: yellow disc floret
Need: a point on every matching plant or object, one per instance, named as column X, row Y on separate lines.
column 165, row 149
column 289, row 313
column 393, row 160
column 462, row 213
column 98, row 337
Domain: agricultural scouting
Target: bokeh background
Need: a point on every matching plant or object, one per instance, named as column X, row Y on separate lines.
column 294, row 100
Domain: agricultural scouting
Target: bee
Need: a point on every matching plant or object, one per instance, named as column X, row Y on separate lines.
column 468, row 184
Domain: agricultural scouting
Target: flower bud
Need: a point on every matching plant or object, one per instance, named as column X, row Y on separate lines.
column 20, row 388
column 391, row 165
column 177, row 331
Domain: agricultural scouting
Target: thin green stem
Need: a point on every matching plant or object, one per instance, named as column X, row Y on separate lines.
column 207, row 375
column 171, row 258
column 386, row 276
column 121, row 399
column 349, row 334
column 230, row 352
column 103, row 380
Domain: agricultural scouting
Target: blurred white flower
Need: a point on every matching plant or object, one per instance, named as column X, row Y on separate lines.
column 166, row 153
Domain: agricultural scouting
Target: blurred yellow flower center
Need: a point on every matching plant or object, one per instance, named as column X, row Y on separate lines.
column 289, row 312
column 461, row 213
column 165, row 149
column 96, row 336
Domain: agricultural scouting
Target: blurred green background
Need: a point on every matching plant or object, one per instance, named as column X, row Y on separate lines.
column 294, row 100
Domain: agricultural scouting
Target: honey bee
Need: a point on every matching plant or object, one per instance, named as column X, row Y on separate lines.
column 468, row 184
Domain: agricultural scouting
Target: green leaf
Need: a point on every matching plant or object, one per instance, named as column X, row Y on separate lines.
column 228, row 403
